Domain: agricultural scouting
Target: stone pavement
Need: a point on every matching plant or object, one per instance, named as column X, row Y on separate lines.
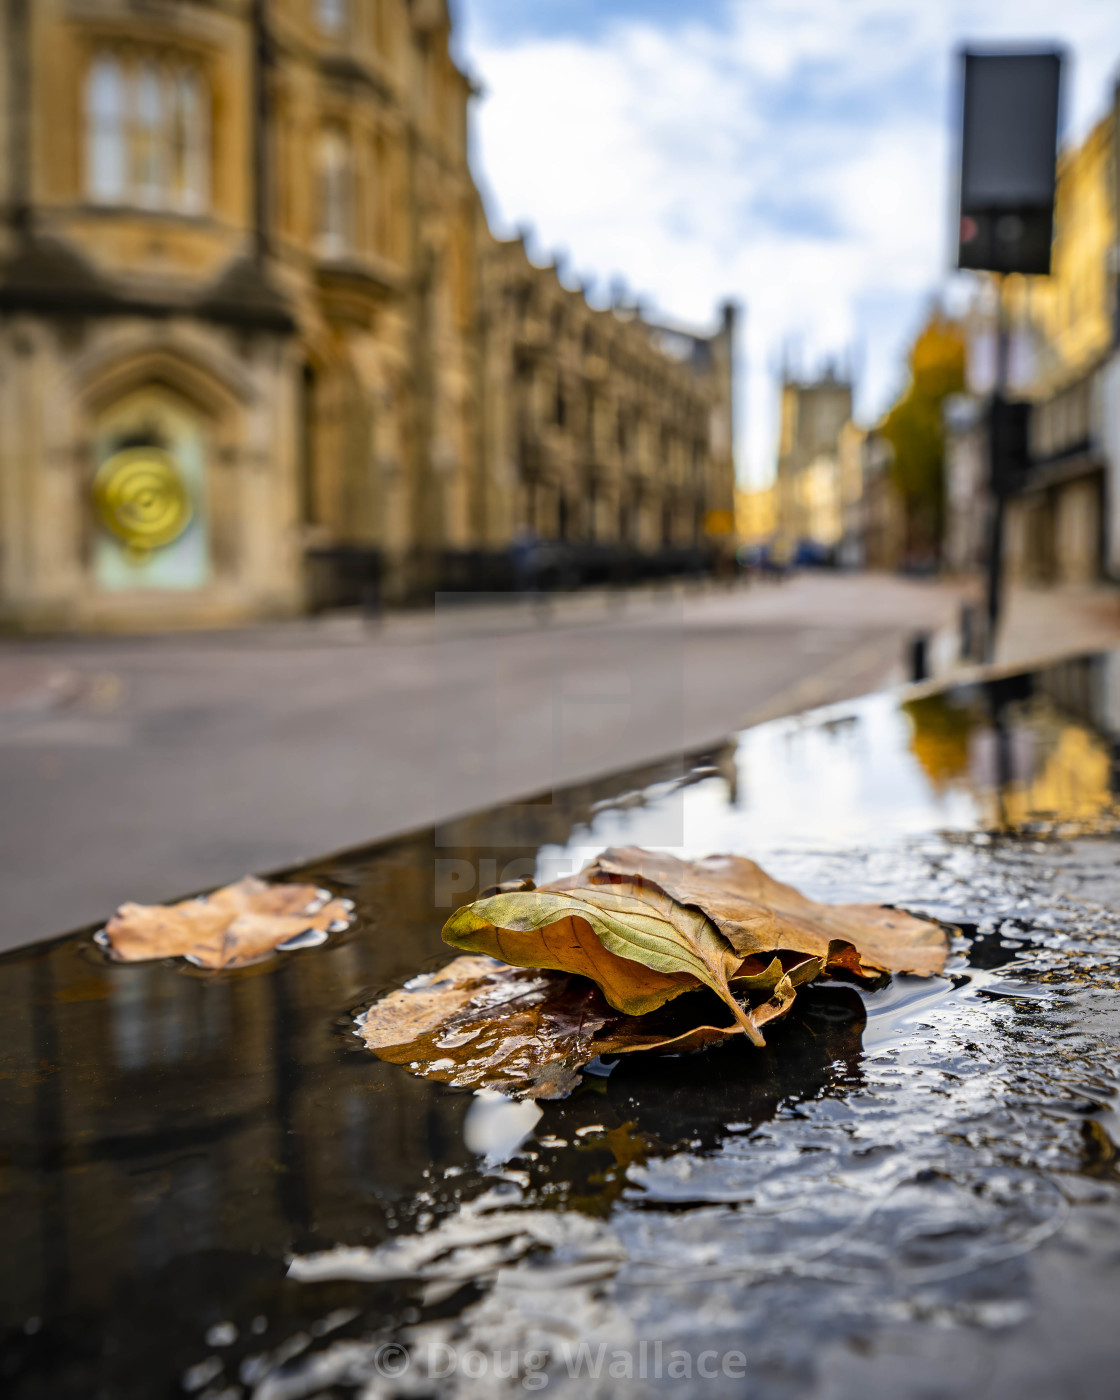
column 1044, row 622
column 148, row 767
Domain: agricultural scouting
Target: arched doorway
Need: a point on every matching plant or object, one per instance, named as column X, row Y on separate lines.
column 149, row 494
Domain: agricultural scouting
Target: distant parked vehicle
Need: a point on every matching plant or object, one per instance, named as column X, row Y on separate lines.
column 811, row 554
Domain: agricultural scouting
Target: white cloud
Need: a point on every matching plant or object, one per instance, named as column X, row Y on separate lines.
column 795, row 156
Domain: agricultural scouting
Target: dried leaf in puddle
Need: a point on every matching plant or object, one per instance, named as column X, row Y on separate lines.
column 644, row 928
column 641, row 947
column 758, row 914
column 238, row 924
column 478, row 1023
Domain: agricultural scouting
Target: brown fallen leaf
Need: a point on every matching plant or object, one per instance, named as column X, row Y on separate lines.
column 481, row 1024
column 758, row 914
column 644, row 928
column 641, row 947
column 238, row 924
column 647, row 927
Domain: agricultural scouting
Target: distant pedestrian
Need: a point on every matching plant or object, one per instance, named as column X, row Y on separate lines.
column 525, row 550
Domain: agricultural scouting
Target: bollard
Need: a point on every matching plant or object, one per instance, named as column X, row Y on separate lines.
column 968, row 637
column 919, row 656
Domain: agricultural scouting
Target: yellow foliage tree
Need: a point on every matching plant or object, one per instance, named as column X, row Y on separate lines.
column 914, row 430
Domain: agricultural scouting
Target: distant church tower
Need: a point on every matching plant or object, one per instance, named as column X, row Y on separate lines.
column 814, row 415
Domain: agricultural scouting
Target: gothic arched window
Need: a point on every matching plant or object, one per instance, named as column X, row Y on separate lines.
column 147, row 133
column 336, row 194
column 106, row 131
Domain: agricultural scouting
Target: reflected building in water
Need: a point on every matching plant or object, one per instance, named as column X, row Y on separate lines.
column 1040, row 754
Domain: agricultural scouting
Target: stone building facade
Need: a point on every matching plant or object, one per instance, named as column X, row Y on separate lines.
column 258, row 348
column 1058, row 528
column 603, row 428
column 1063, row 525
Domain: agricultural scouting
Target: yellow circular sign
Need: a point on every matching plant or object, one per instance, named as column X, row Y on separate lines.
column 141, row 498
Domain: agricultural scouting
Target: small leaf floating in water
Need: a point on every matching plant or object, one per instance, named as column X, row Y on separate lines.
column 236, row 925
column 590, row 965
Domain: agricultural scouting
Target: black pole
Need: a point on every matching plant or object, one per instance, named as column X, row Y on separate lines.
column 995, row 571
column 997, row 476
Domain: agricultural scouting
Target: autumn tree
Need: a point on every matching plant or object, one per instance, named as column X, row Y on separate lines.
column 913, row 427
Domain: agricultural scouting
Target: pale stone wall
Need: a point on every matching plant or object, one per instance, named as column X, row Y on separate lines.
column 55, row 388
column 601, row 426
column 329, row 338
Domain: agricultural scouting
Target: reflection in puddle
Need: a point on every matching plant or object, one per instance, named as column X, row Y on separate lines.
column 941, row 726
column 1024, row 754
column 1029, row 751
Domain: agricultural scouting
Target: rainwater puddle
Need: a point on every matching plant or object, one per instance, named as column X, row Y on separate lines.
column 209, row 1187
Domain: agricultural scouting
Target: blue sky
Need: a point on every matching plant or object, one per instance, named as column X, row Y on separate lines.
column 793, row 154
column 509, row 20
